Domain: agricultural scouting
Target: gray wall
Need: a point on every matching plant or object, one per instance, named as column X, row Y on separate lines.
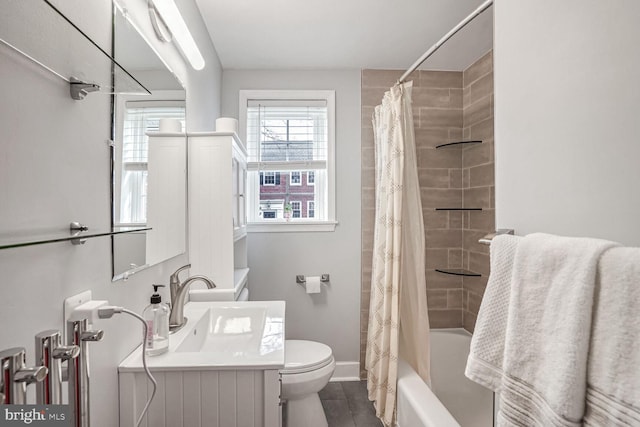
column 276, row 258
column 566, row 114
column 54, row 168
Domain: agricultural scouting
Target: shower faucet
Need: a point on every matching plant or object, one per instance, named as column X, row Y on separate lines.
column 16, row 375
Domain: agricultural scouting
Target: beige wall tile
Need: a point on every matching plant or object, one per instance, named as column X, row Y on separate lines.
column 440, row 117
column 368, row 177
column 372, row 96
column 440, row 198
column 471, row 243
column 434, row 219
column 482, row 176
column 455, row 134
column 482, row 130
column 431, row 97
column 438, row 158
column 469, row 320
column 454, row 298
column 479, row 262
column 443, row 238
column 437, row 298
column 478, row 69
column 475, row 284
column 455, row 178
column 368, row 197
column 481, row 88
column 437, row 280
column 442, row 79
column 484, row 220
column 455, row 258
column 368, row 156
column 479, row 154
column 474, row 302
column 451, row 318
column 455, row 98
column 477, row 111
column 367, row 141
column 430, row 137
column 433, row 178
column 477, row 197
column 367, row 114
column 455, row 219
column 436, row 258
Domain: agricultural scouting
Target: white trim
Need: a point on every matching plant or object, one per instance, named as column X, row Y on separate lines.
column 346, row 371
column 314, row 208
column 271, row 175
column 295, row 184
column 323, row 204
column 311, row 184
column 291, row 226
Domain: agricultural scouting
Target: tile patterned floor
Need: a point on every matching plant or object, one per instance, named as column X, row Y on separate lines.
column 346, row 405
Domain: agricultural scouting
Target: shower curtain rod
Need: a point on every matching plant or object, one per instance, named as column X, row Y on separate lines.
column 446, row 37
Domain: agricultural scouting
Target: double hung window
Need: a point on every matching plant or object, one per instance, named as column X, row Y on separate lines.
column 291, row 144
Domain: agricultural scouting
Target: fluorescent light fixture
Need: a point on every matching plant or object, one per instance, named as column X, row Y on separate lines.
column 171, row 16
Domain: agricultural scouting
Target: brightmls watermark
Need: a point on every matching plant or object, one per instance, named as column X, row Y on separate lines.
column 35, row 415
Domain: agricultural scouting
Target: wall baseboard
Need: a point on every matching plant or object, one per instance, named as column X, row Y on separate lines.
column 346, row 371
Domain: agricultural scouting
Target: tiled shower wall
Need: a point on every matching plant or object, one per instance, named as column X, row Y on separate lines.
column 447, row 107
column 478, row 181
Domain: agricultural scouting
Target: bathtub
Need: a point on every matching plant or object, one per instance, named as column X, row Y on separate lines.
column 453, row 400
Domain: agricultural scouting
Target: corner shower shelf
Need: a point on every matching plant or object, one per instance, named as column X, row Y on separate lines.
column 458, row 209
column 63, row 49
column 458, row 144
column 458, row 272
column 76, row 236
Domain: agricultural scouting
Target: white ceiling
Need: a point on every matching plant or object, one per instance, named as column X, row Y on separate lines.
column 382, row 34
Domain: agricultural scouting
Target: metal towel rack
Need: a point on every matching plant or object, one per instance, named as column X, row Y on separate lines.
column 486, row 240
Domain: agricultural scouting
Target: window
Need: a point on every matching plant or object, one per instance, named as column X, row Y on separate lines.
column 295, row 178
column 290, row 144
column 140, row 118
column 311, row 209
column 296, row 209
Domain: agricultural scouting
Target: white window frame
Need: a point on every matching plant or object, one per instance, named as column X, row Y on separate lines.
column 311, row 184
column 309, row 202
column 271, row 175
column 253, row 202
column 295, row 184
column 295, row 203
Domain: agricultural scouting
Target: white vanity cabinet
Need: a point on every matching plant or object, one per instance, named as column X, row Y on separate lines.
column 217, row 212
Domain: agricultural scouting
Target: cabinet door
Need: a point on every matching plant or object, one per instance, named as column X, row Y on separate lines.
column 242, row 190
column 235, row 191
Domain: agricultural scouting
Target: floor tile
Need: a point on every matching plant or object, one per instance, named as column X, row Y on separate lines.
column 332, row 391
column 338, row 414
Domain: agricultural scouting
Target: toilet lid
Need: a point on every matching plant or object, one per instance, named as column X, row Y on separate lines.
column 304, row 356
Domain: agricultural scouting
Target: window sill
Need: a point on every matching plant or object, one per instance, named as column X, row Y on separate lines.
column 291, row 226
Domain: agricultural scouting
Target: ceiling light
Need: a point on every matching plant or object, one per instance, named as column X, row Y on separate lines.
column 171, row 17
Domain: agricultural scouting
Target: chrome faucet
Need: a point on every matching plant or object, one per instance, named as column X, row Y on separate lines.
column 178, row 293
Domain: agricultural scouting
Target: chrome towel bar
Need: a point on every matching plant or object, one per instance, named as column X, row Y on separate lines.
column 486, row 240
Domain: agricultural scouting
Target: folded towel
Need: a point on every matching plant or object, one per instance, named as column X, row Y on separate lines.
column 548, row 331
column 484, row 364
column 613, row 373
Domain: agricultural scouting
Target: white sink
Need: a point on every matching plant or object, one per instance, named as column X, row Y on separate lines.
column 222, row 335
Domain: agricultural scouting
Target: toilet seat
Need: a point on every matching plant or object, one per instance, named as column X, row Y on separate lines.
column 305, row 356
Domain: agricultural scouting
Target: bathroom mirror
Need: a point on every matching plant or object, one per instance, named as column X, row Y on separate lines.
column 148, row 175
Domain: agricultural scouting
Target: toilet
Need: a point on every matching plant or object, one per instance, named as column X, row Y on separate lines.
column 308, row 366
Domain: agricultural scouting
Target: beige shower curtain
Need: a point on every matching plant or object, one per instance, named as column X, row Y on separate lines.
column 398, row 319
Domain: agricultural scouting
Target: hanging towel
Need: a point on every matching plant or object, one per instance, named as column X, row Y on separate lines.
column 484, row 364
column 548, row 331
column 613, row 373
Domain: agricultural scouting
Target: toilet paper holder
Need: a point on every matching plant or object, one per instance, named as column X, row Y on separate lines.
column 301, row 280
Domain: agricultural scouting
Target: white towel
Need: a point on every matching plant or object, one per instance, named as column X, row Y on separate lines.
column 486, row 354
column 613, row 373
column 548, row 330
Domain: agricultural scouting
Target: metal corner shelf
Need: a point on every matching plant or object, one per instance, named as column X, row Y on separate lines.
column 77, row 234
column 458, row 209
column 458, row 144
column 79, row 60
column 458, row 272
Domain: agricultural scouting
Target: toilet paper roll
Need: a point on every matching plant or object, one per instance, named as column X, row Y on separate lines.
column 170, row 126
column 226, row 124
column 313, row 284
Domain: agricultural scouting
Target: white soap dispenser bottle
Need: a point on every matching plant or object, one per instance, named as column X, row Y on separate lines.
column 156, row 315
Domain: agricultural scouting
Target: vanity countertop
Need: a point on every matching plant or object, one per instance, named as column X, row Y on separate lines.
column 221, row 336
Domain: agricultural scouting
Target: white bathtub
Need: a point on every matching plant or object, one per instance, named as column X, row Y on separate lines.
column 453, row 400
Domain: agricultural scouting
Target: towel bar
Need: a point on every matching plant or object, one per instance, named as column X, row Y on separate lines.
column 486, row 240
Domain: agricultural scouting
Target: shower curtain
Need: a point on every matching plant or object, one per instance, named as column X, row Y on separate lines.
column 398, row 318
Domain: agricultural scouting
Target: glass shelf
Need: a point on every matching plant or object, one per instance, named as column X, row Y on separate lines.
column 458, row 272
column 39, row 31
column 8, row 241
column 458, row 209
column 458, row 144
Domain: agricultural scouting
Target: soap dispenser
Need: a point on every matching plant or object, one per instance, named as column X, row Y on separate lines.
column 156, row 315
